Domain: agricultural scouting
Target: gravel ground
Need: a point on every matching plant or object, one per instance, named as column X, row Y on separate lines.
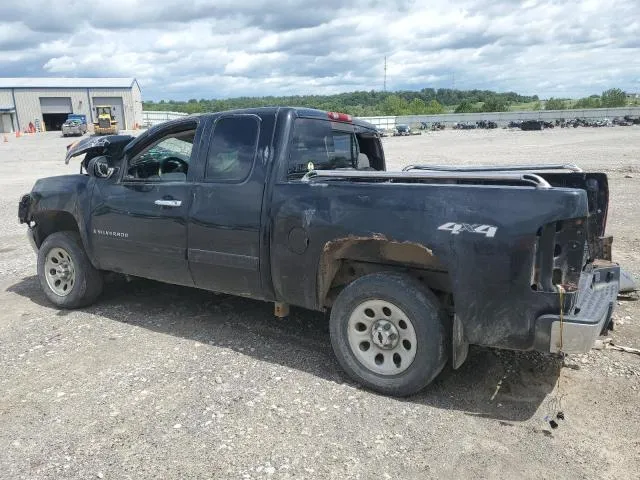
column 159, row 381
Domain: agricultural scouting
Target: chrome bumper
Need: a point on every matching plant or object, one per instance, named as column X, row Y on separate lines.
column 590, row 315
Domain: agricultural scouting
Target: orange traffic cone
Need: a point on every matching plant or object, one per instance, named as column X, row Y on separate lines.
column 18, row 134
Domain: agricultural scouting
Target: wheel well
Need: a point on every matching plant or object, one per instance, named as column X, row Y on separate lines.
column 50, row 222
column 345, row 260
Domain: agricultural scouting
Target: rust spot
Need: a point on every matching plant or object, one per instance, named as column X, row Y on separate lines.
column 375, row 248
column 602, row 263
column 352, row 239
column 329, row 246
column 570, row 287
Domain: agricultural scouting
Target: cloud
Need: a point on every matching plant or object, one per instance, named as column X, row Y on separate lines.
column 204, row 49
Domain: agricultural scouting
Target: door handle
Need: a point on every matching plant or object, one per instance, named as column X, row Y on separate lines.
column 168, row 203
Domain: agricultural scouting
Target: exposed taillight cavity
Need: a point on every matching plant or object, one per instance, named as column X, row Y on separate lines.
column 340, row 117
column 559, row 255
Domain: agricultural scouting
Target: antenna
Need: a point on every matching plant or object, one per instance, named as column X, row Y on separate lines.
column 385, row 73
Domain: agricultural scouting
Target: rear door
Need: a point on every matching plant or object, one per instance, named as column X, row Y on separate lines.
column 224, row 225
column 139, row 222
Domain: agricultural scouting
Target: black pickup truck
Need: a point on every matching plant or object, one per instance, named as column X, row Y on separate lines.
column 295, row 206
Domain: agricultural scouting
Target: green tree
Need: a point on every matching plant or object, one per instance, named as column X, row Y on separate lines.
column 417, row 106
column 434, row 107
column 588, row 102
column 465, row 107
column 554, row 104
column 613, row 97
column 394, row 105
column 536, row 106
column 494, row 104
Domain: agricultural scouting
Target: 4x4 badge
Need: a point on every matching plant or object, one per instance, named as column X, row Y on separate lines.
column 488, row 231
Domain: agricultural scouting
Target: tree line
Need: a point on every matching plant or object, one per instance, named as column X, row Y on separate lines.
column 611, row 98
column 372, row 103
column 360, row 103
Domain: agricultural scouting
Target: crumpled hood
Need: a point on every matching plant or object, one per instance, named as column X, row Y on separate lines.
column 111, row 145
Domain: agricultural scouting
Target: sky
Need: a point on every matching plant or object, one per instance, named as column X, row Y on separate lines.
column 181, row 49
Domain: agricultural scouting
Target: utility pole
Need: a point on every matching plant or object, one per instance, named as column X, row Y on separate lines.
column 385, row 73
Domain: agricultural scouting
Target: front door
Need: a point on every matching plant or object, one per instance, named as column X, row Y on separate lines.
column 139, row 223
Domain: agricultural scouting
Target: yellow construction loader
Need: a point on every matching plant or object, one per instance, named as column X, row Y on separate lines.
column 106, row 123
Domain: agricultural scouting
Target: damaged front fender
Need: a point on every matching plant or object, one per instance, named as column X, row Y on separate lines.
column 110, row 145
column 24, row 207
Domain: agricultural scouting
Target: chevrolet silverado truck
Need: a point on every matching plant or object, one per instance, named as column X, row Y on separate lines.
column 294, row 206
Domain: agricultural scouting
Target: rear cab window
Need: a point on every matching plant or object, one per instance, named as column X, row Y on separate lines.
column 321, row 145
column 318, row 144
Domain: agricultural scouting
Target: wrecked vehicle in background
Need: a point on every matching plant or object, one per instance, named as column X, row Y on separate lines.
column 529, row 125
column 465, row 126
column 487, row 124
column 75, row 125
column 402, row 130
column 295, row 206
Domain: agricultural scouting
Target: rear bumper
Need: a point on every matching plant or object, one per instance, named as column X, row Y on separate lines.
column 585, row 321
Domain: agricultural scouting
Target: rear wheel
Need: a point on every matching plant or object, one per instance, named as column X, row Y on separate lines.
column 388, row 333
column 66, row 274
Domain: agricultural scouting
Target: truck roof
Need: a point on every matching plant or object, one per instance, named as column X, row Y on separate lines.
column 299, row 111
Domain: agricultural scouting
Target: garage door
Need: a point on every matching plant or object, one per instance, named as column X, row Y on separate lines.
column 116, row 108
column 55, row 105
column 6, row 124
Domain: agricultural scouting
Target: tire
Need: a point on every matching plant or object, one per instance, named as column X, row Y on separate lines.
column 351, row 330
column 75, row 283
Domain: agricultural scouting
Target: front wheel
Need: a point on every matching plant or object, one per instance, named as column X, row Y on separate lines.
column 66, row 274
column 388, row 333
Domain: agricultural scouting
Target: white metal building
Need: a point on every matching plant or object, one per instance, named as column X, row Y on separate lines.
column 46, row 102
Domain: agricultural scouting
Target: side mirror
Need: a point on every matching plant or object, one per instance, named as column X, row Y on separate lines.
column 99, row 167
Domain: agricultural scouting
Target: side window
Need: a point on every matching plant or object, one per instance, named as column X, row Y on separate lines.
column 233, row 148
column 166, row 160
column 320, row 143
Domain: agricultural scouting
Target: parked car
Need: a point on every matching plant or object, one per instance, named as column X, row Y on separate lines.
column 529, row 125
column 465, row 126
column 74, row 125
column 488, row 124
column 295, row 206
column 402, row 130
